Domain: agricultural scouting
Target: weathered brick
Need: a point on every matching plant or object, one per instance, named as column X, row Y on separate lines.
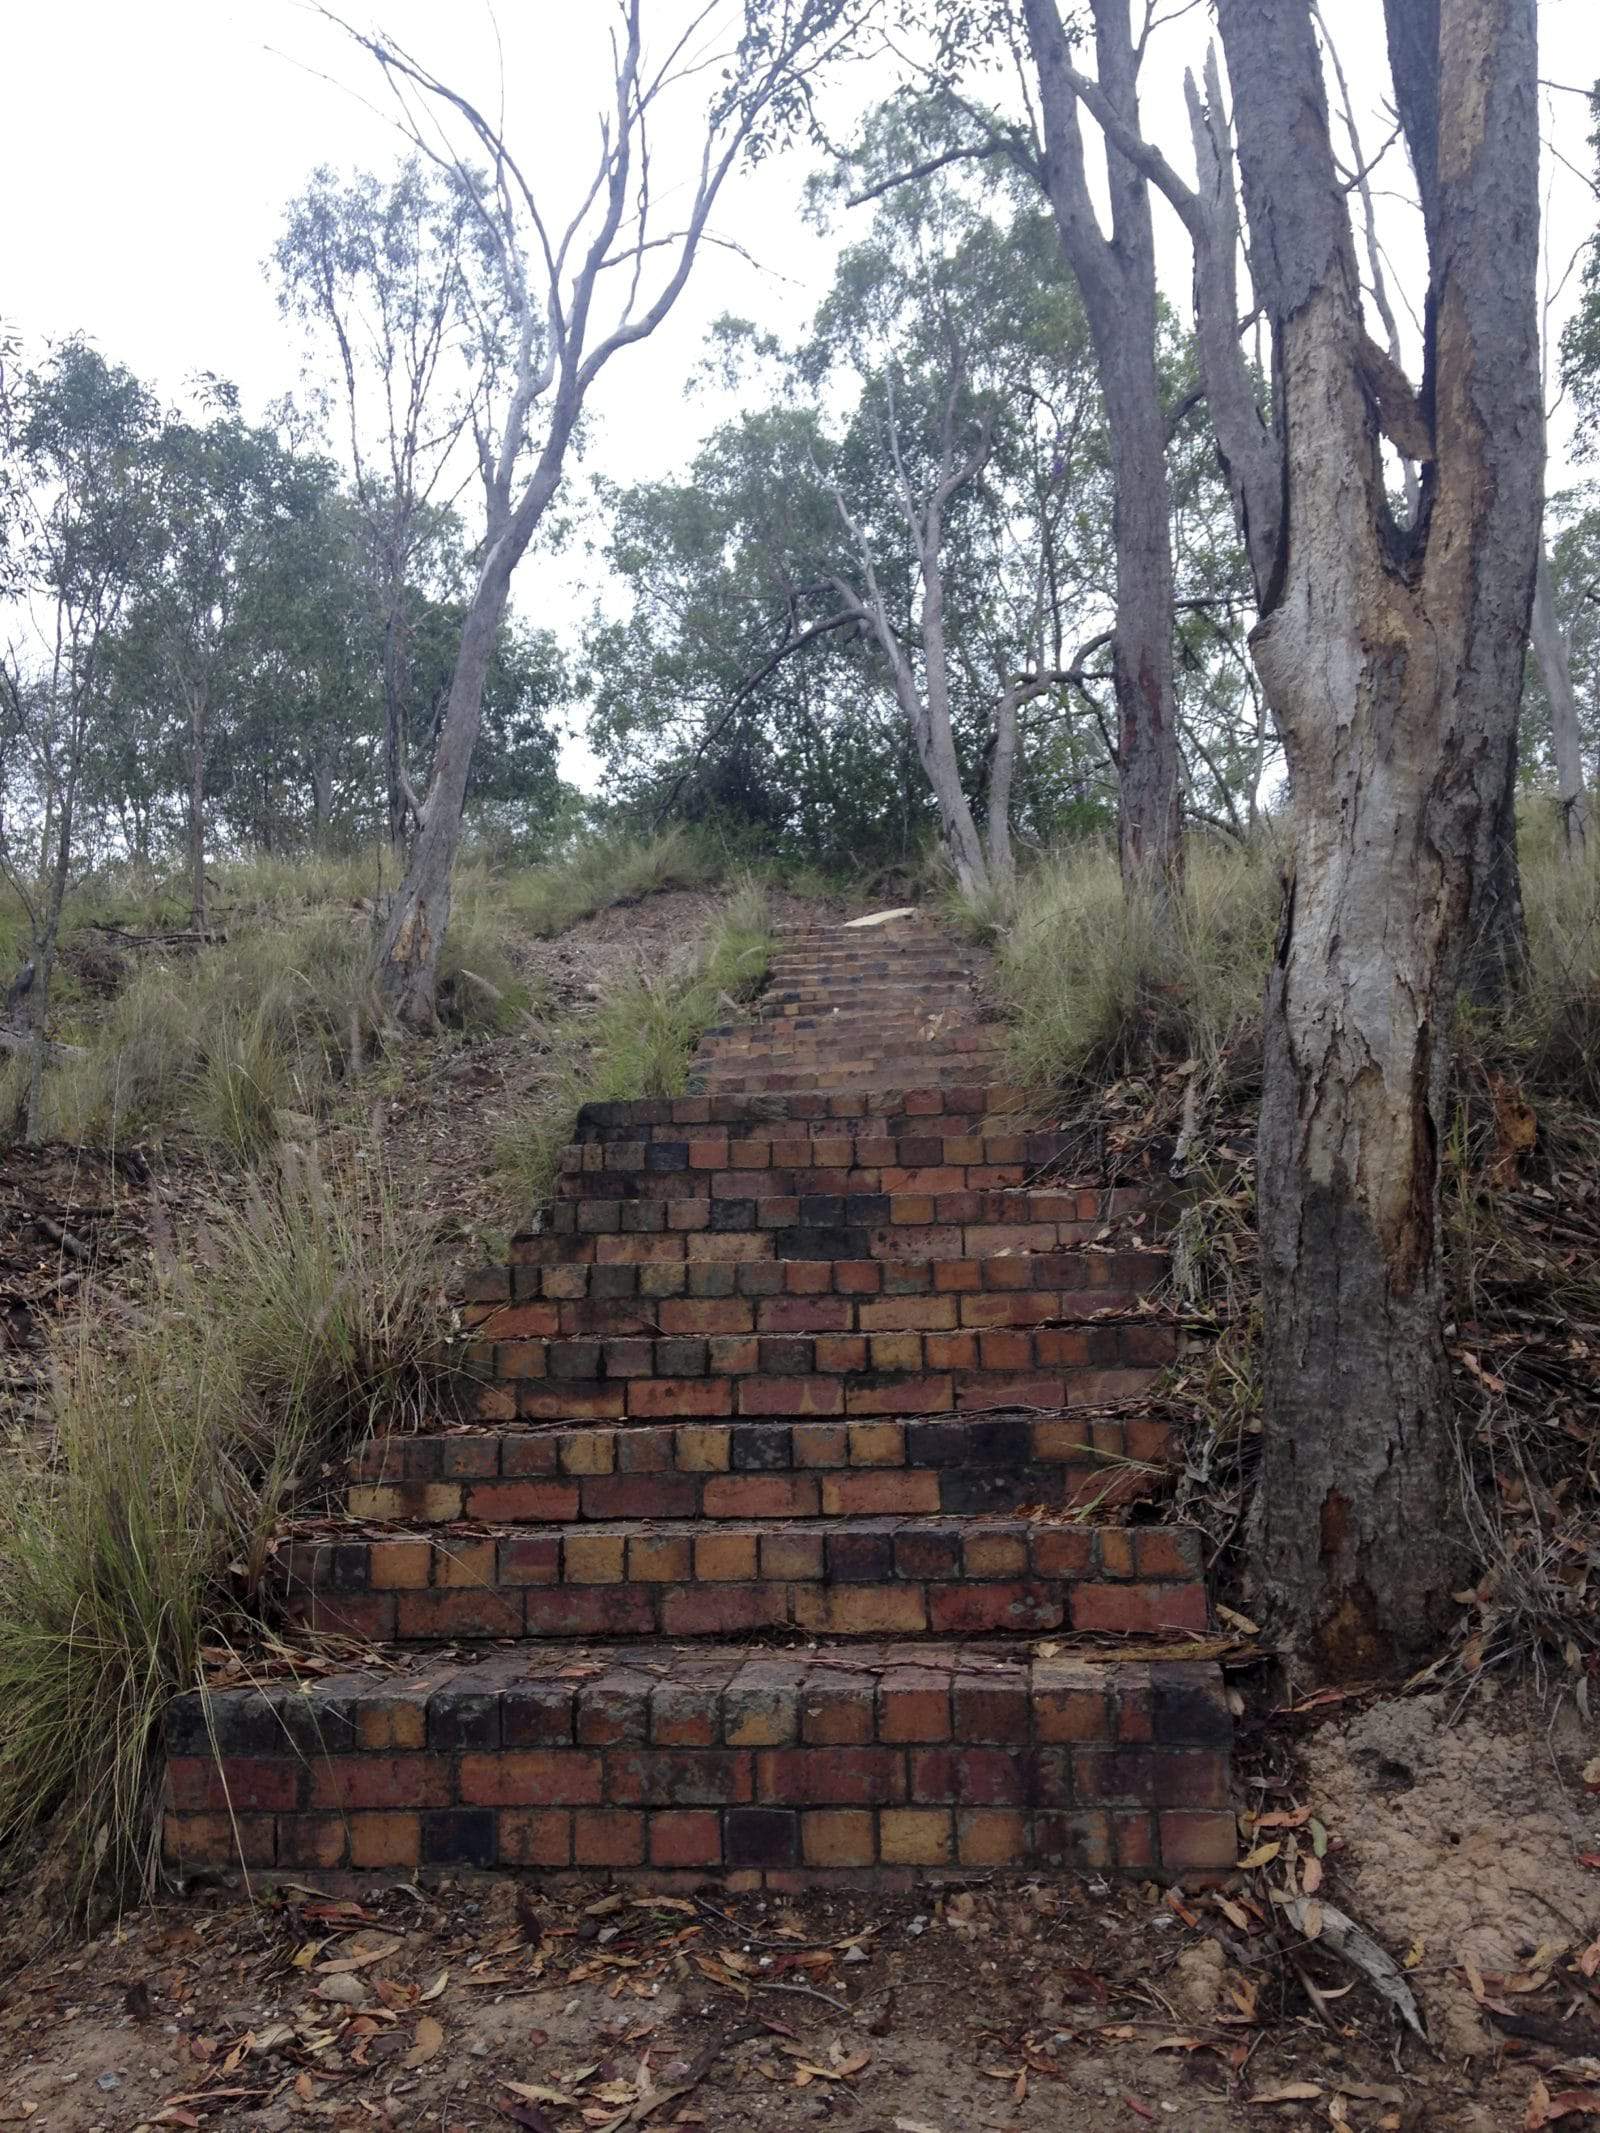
column 385, row 1840
column 531, row 1777
column 838, row 1837
column 844, row 1777
column 915, row 1836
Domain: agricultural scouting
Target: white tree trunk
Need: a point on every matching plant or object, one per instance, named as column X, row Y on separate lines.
column 1555, row 667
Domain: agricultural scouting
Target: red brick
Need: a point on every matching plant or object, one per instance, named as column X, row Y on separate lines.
column 857, row 1277
column 459, row 1614
column 882, row 1492
column 316, row 1841
column 245, row 1785
column 712, row 1610
column 607, row 1836
column 530, row 1777
column 707, row 1315
column 1196, row 1842
column 511, row 1501
column 910, row 1396
column 683, row 1837
column 406, row 1781
column 971, row 1777
column 913, row 1706
column 967, row 1609
column 537, row 1837
column 760, row 1496
column 844, row 1777
column 661, row 1399
column 791, row 1396
column 839, row 1838
column 1131, row 1609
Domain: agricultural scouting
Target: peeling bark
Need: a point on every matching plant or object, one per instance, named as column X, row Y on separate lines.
column 1393, row 666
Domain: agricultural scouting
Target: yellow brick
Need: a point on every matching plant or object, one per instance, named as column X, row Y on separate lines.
column 991, row 1836
column 994, row 1555
column 877, row 1444
column 701, row 1451
column 592, row 1558
column 655, row 1560
column 722, row 1556
column 589, row 1451
column 464, row 1562
column 838, row 1836
column 914, row 1836
column 860, row 1610
column 399, row 1566
column 391, row 1725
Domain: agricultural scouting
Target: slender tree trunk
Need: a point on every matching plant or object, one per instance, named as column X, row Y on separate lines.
column 419, row 911
column 197, row 810
column 1555, row 666
column 1393, row 669
column 47, row 934
column 1117, row 279
column 394, row 720
column 321, row 802
column 1002, row 771
column 936, row 736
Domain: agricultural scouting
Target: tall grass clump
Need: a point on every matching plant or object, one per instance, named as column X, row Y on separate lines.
column 608, row 871
column 639, row 1042
column 1099, row 988
column 135, row 1538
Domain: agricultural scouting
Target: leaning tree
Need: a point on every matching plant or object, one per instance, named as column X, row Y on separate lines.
column 575, row 286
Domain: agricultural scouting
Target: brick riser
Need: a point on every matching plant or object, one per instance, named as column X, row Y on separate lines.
column 952, row 1466
column 770, row 1768
column 866, row 1578
column 802, row 1354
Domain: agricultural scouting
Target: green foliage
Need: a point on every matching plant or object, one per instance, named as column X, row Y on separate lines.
column 609, row 870
column 638, row 1043
column 139, row 1540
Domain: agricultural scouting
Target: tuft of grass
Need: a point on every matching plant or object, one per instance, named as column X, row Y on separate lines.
column 1098, row 988
column 138, row 1540
column 638, row 1043
column 606, row 872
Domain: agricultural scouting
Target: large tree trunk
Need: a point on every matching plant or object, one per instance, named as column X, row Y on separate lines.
column 394, row 718
column 1555, row 667
column 1117, row 280
column 1393, row 666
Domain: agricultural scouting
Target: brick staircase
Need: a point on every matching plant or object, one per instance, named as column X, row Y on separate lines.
column 791, row 1445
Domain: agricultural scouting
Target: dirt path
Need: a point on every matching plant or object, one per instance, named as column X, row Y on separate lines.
column 460, row 2008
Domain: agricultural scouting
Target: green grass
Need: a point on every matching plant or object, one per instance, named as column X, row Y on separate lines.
column 638, row 1043
column 1098, row 991
column 138, row 1540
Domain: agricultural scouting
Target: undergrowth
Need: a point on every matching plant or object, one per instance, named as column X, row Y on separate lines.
column 638, row 1042
column 218, row 1041
column 133, row 1540
column 1152, row 1036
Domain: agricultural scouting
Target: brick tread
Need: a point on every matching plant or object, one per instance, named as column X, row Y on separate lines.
column 778, row 1766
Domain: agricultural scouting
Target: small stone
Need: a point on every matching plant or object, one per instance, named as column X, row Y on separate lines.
column 345, row 1989
column 108, row 2082
column 856, row 1954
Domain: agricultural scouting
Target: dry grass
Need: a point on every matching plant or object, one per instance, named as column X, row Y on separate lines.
column 638, row 1043
column 138, row 1536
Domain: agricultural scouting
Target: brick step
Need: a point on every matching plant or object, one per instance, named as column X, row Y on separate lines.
column 856, row 1225
column 693, row 1578
column 779, row 1147
column 640, row 1246
column 871, row 1365
column 784, row 997
column 852, row 1079
column 955, row 1465
column 845, row 1078
column 775, row 1768
column 812, row 1181
column 824, row 1049
column 895, row 1109
column 677, row 1317
column 1087, row 1269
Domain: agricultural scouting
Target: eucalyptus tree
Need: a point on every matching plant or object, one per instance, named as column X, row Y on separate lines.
column 1391, row 651
column 885, row 563
column 388, row 276
column 75, row 441
column 574, row 286
column 221, row 495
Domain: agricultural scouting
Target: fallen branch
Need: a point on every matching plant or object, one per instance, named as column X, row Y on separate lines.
column 21, row 1042
column 1344, row 1937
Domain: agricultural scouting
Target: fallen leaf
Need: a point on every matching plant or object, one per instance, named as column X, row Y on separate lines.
column 433, row 1991
column 430, row 2040
column 1263, row 1855
column 1291, row 2092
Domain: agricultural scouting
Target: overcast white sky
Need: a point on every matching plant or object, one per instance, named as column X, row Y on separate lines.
column 148, row 152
